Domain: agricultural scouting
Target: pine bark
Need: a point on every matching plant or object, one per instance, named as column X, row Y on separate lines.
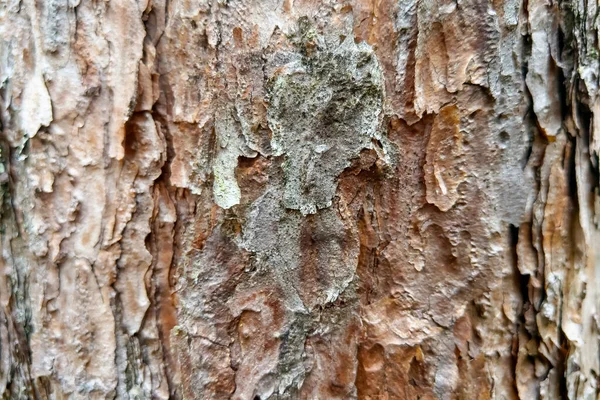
column 299, row 199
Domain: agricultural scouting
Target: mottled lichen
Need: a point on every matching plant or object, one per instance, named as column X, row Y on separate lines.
column 231, row 145
column 323, row 110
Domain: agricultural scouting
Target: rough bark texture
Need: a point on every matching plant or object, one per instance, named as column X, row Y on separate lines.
column 299, row 199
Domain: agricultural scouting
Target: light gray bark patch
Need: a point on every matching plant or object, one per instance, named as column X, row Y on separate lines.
column 323, row 110
column 232, row 145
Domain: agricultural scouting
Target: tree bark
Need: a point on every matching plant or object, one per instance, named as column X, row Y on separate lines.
column 299, row 199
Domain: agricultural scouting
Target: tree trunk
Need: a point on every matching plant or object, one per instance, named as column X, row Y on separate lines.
column 299, row 199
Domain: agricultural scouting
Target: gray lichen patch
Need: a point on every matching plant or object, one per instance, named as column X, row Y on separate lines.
column 4, row 190
column 323, row 110
column 231, row 144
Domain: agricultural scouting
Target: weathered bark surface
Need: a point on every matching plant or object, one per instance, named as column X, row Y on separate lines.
column 299, row 199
